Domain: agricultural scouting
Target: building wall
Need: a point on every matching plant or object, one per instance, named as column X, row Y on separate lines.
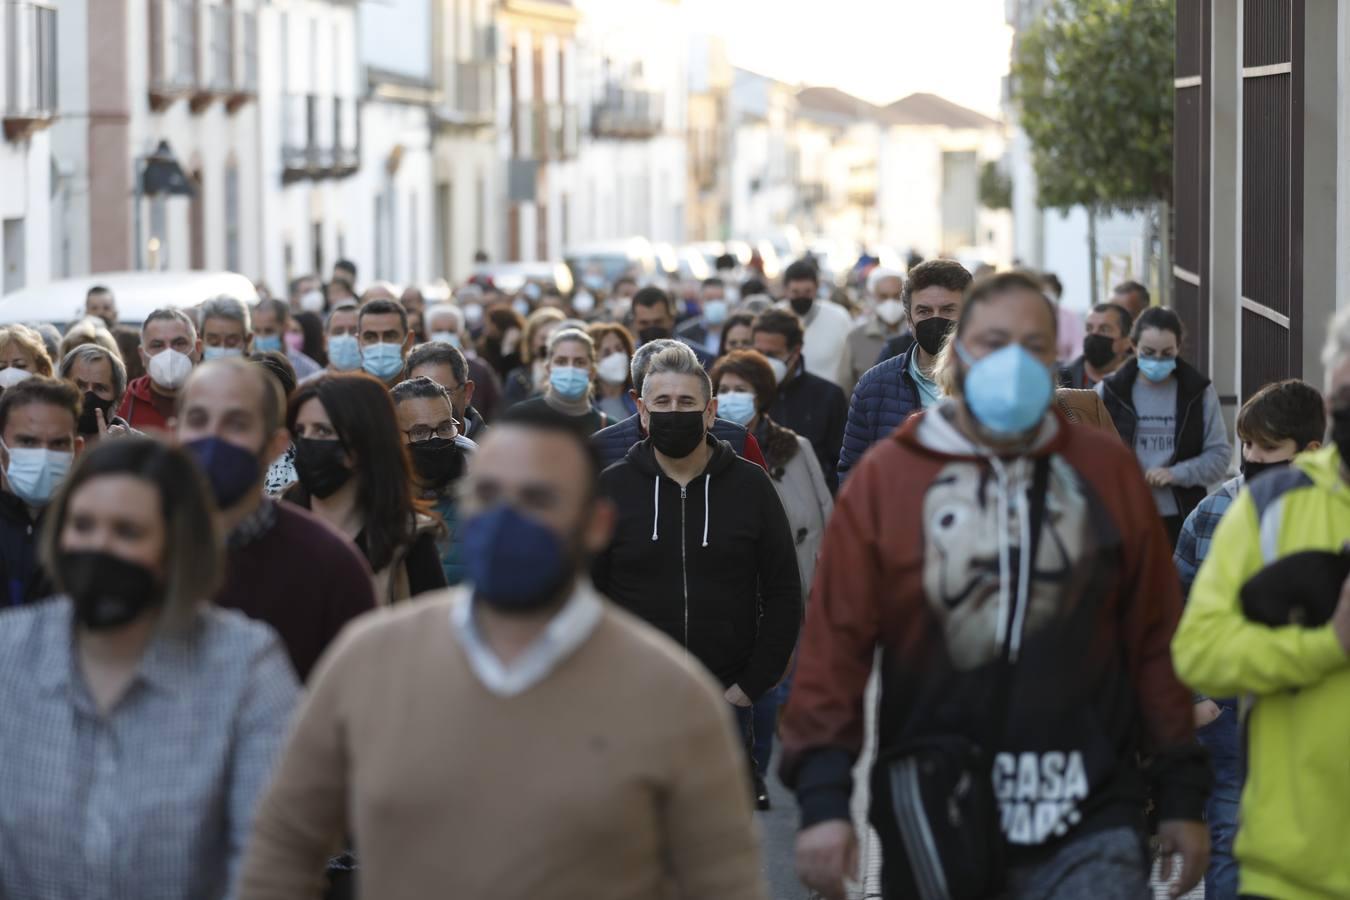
column 25, row 168
column 392, row 225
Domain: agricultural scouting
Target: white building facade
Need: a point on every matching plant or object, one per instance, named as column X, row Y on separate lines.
column 28, row 105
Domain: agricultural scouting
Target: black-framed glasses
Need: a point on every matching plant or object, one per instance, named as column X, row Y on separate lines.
column 447, row 430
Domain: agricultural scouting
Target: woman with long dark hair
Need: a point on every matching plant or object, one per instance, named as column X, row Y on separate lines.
column 312, row 343
column 354, row 474
column 140, row 720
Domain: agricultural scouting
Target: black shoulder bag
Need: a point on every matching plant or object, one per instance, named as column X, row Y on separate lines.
column 940, row 788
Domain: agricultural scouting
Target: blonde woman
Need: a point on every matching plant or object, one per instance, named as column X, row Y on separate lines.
column 88, row 331
column 22, row 355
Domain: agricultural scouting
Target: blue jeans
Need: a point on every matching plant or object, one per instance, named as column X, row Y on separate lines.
column 1221, row 739
column 766, row 724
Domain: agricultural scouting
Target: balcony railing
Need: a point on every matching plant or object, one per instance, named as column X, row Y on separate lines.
column 173, row 35
column 243, row 82
column 474, row 95
column 29, row 68
column 626, row 113
column 321, row 136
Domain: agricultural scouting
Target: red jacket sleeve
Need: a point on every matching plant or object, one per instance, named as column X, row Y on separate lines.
column 753, row 453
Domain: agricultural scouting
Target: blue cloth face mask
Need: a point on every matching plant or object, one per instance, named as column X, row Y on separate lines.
column 34, row 473
column 1007, row 391
column 1157, row 369
column 267, row 343
column 715, row 312
column 738, row 407
column 231, row 470
column 210, row 353
column 344, row 352
column 384, row 361
column 514, row 563
column 569, row 382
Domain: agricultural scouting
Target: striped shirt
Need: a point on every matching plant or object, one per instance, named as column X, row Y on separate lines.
column 154, row 800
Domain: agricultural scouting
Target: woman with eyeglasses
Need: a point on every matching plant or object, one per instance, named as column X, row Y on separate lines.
column 355, row 475
column 1169, row 413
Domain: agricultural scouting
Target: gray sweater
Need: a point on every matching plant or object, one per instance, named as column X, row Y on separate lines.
column 1155, row 440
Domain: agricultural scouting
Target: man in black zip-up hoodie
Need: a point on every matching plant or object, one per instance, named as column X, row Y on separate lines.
column 702, row 549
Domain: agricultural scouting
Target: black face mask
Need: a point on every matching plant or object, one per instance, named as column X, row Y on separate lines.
column 107, row 591
column 676, row 434
column 438, row 462
column 801, row 305
column 931, row 333
column 93, row 404
column 320, row 466
column 1099, row 350
column 1252, row 469
column 653, row 333
column 1340, row 432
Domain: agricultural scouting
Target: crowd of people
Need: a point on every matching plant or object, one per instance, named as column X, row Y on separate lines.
column 510, row 595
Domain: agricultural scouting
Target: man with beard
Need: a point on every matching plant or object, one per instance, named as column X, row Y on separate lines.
column 426, row 416
column 524, row 699
column 283, row 566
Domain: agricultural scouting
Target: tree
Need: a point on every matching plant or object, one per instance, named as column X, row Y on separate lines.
column 995, row 187
column 1093, row 85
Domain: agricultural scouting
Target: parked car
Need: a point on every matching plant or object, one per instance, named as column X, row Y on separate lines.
column 137, row 293
column 613, row 259
column 511, row 277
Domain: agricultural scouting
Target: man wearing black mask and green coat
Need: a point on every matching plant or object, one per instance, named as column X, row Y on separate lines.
column 702, row 549
column 438, row 453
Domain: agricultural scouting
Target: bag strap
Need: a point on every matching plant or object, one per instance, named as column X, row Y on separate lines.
column 1026, row 556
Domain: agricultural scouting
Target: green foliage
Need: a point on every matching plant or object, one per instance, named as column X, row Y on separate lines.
column 1093, row 84
column 995, row 187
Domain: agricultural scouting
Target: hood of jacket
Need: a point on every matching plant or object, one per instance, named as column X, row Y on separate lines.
column 934, row 431
column 1323, row 467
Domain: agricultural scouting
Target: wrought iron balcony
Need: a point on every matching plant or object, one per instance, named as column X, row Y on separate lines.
column 628, row 114
column 320, row 137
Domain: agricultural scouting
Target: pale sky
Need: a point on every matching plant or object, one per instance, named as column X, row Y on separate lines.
column 879, row 50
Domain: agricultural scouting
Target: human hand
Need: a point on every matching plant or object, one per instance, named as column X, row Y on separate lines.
column 1205, row 711
column 736, row 697
column 106, row 430
column 1191, row 841
column 1158, row 478
column 827, row 854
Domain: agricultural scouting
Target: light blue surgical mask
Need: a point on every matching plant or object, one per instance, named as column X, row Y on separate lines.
column 569, row 382
column 738, row 407
column 344, row 352
column 384, row 361
column 1157, row 369
column 715, row 312
column 34, row 474
column 1007, row 391
column 448, row 337
column 210, row 353
column 267, row 343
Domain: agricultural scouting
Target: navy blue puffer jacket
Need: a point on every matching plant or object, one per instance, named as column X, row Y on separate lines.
column 885, row 397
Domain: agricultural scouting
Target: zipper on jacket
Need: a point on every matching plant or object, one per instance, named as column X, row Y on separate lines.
column 684, row 566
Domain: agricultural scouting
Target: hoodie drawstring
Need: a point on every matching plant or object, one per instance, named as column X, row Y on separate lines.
column 1024, row 575
column 707, row 487
column 1004, row 562
column 656, row 505
column 1023, row 597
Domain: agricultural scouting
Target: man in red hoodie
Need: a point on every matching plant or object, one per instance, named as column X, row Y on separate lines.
column 1057, row 671
column 169, row 350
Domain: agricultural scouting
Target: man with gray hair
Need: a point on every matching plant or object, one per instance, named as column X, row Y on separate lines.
column 1269, row 616
column 612, row 443
column 101, row 377
column 169, row 350
column 884, row 322
column 445, row 323
column 226, row 328
column 702, row 549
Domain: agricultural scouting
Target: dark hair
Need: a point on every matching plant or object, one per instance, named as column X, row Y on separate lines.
column 735, row 320
column 624, row 279
column 943, row 273
column 1133, row 287
column 39, row 389
column 600, row 330
column 654, row 296
column 726, row 261
column 278, row 307
column 542, row 418
column 713, row 282
column 439, row 353
column 1283, row 410
column 779, row 321
column 363, row 416
column 97, row 289
column 802, row 270
column 1052, row 283
column 345, row 307
column 311, row 325
column 194, row 550
column 346, row 265
column 997, row 285
column 1159, row 317
column 277, row 365
column 504, row 318
column 420, row 387
column 1123, row 317
column 754, row 368
column 383, row 307
column 753, row 286
column 128, row 342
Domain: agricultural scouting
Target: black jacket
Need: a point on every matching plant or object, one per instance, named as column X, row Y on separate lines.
column 817, row 410
column 1074, row 375
column 1118, row 395
column 614, row 442
column 713, row 565
column 24, row 579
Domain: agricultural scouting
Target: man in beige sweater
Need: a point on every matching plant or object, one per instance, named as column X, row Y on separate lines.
column 521, row 738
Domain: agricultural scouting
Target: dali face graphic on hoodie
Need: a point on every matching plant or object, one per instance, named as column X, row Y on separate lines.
column 965, row 525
